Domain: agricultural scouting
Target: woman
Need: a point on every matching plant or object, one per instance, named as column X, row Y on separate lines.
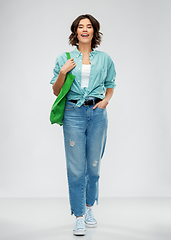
column 85, row 116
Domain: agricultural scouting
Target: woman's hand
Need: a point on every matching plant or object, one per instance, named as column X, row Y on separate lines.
column 105, row 101
column 68, row 66
column 101, row 104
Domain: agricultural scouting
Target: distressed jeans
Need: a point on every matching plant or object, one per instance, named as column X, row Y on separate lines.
column 85, row 132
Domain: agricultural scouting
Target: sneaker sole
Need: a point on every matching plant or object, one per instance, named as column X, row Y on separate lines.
column 91, row 225
column 79, row 233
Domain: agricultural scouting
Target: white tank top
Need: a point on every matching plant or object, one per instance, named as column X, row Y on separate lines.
column 85, row 75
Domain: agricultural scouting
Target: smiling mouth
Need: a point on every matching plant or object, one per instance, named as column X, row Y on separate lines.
column 84, row 35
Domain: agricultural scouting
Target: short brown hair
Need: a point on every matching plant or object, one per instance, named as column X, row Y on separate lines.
column 73, row 40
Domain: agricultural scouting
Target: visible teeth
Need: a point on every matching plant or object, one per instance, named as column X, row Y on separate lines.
column 84, row 35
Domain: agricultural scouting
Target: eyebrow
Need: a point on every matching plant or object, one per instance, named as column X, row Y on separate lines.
column 89, row 24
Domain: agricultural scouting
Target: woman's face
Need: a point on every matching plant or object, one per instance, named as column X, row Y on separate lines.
column 85, row 31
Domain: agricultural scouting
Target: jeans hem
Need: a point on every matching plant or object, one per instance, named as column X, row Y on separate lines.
column 77, row 215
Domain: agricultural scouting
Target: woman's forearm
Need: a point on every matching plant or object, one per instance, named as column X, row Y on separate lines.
column 59, row 83
column 68, row 66
column 109, row 93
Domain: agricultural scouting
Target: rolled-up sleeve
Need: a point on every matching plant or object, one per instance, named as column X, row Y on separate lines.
column 111, row 75
column 56, row 71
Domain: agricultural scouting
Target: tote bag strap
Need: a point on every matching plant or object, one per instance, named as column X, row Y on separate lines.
column 67, row 84
column 68, row 55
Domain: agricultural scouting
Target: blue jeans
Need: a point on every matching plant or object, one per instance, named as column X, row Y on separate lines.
column 85, row 132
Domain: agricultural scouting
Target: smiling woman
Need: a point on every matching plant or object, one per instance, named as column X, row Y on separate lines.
column 90, row 23
column 85, row 31
column 85, row 116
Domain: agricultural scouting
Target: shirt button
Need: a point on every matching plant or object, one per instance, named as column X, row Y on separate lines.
column 80, row 60
column 79, row 68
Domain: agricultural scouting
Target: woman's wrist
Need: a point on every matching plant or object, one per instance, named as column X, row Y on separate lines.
column 63, row 71
column 106, row 100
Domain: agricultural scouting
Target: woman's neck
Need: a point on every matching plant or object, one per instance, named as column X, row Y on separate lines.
column 85, row 49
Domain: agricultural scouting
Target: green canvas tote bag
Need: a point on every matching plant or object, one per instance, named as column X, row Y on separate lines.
column 57, row 110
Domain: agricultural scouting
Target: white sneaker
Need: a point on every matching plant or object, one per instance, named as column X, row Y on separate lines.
column 79, row 228
column 89, row 218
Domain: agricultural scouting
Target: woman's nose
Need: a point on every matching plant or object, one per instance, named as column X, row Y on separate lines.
column 84, row 29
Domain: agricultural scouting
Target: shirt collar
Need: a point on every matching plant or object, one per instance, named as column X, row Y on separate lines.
column 79, row 53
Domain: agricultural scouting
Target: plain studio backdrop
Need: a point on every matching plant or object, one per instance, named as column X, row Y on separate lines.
column 136, row 34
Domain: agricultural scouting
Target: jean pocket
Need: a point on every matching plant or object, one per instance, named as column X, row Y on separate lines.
column 101, row 108
column 69, row 106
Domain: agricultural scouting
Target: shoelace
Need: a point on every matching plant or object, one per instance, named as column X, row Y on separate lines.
column 89, row 215
column 80, row 223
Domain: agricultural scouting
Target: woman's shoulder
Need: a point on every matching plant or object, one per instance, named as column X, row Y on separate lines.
column 62, row 57
column 103, row 55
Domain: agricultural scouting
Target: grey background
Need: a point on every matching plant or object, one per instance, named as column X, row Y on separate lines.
column 138, row 153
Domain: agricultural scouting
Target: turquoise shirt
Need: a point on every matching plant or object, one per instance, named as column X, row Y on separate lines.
column 102, row 75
